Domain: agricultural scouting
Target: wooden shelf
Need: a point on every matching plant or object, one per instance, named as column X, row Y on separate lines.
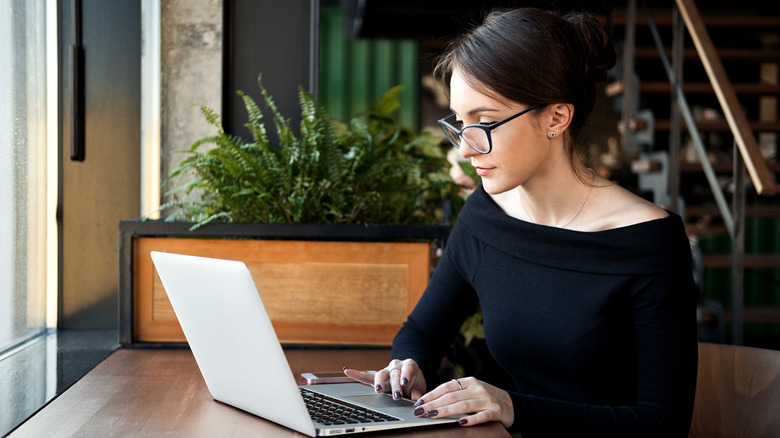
column 758, row 314
column 718, row 126
column 750, row 314
column 751, row 260
column 726, row 54
column 664, row 87
column 712, row 22
column 753, row 211
column 724, row 167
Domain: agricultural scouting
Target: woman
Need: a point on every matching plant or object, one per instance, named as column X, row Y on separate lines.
column 586, row 290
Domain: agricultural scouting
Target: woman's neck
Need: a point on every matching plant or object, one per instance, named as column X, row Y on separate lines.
column 554, row 199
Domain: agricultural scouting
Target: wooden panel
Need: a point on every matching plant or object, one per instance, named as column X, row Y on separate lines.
column 314, row 292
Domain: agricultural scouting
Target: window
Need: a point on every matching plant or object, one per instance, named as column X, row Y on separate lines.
column 28, row 138
column 23, row 171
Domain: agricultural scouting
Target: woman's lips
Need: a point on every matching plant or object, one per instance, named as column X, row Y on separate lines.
column 482, row 171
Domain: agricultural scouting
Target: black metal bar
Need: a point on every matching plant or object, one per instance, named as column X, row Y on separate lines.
column 77, row 135
column 629, row 85
column 675, row 131
column 332, row 232
column 738, row 250
column 125, row 304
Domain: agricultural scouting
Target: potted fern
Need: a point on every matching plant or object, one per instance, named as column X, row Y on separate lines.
column 345, row 217
column 370, row 171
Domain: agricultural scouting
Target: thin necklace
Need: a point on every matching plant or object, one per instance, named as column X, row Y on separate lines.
column 590, row 189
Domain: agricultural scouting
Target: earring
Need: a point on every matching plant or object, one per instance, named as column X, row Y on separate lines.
column 552, row 135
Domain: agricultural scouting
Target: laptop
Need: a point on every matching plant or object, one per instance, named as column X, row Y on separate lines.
column 242, row 362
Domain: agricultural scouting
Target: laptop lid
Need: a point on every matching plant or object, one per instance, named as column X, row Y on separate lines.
column 240, row 357
column 231, row 337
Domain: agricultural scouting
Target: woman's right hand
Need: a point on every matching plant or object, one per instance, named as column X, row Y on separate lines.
column 400, row 378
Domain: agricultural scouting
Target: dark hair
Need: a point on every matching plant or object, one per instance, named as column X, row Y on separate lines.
column 533, row 56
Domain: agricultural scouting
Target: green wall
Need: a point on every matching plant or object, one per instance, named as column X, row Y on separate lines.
column 355, row 72
column 762, row 285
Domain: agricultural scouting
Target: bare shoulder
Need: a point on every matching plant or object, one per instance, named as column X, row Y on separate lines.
column 615, row 207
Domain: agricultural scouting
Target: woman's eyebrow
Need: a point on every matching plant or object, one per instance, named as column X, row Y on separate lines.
column 476, row 110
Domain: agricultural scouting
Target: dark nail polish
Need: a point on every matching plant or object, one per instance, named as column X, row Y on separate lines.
column 418, row 411
column 463, row 421
column 345, row 368
column 378, row 388
column 396, row 395
column 419, row 402
column 404, row 381
column 432, row 413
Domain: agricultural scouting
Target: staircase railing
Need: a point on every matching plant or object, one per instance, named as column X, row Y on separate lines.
column 735, row 116
column 747, row 154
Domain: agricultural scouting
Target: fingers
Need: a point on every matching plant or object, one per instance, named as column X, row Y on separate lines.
column 447, row 388
column 379, row 380
column 386, row 379
column 399, row 378
column 363, row 377
column 477, row 401
column 475, row 419
column 453, row 398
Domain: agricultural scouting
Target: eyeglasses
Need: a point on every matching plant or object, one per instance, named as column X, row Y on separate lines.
column 476, row 136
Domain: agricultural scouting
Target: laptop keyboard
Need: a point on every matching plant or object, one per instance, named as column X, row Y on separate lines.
column 329, row 411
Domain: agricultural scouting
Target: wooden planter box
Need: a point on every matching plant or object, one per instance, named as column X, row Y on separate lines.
column 321, row 284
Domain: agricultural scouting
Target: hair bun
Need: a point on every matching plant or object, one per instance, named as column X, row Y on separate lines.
column 598, row 46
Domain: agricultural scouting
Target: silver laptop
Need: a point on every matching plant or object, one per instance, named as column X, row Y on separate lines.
column 242, row 361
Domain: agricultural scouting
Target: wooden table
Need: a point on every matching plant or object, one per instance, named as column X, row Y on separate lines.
column 150, row 393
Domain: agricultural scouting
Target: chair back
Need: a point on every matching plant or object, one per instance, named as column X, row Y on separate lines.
column 737, row 392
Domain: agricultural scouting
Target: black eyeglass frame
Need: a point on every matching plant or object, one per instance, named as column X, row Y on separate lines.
column 444, row 125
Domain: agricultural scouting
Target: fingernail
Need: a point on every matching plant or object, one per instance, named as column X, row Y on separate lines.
column 345, row 368
column 378, row 388
column 419, row 402
column 418, row 411
column 396, row 395
column 433, row 413
column 463, row 421
column 404, row 381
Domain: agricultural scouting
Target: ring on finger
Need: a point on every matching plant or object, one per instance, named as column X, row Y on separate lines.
column 458, row 382
column 390, row 371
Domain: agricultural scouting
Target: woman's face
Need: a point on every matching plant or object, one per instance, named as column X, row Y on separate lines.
column 519, row 147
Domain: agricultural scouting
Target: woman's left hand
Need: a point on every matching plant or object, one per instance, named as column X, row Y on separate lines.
column 479, row 401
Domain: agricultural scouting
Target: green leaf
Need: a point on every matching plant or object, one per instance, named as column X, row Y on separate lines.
column 472, row 328
column 388, row 103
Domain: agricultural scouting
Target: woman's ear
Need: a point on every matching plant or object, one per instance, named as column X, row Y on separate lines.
column 560, row 118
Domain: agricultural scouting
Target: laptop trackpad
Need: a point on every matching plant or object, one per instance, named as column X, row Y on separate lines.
column 380, row 401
